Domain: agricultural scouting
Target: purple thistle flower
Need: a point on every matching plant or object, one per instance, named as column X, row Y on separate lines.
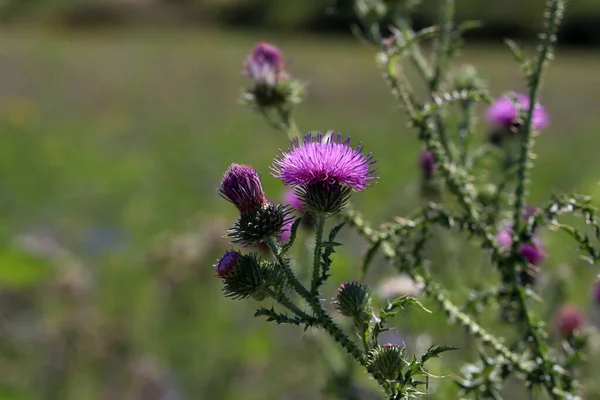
column 569, row 318
column 504, row 238
column 228, row 263
column 291, row 198
column 533, row 253
column 505, row 112
column 241, row 186
column 330, row 163
column 427, row 163
column 265, row 64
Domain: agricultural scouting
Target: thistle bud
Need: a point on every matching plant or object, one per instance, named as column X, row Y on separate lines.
column 242, row 274
column 273, row 86
column 258, row 219
column 353, row 300
column 241, row 186
column 387, row 361
column 569, row 319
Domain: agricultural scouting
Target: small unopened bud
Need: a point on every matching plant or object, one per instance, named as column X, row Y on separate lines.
column 569, row 319
column 241, row 186
column 468, row 79
column 353, row 299
column 387, row 361
column 242, row 274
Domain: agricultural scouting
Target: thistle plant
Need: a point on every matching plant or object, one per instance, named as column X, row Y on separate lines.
column 463, row 194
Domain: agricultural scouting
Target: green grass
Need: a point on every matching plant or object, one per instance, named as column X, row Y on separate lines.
column 131, row 130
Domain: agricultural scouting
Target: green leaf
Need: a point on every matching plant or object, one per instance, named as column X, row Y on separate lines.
column 521, row 58
column 435, row 351
column 293, row 233
column 19, row 269
column 392, row 307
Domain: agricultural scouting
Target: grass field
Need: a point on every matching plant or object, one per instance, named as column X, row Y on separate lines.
column 112, row 139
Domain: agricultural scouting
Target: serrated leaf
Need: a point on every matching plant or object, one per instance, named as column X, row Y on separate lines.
column 19, row 269
column 435, row 351
column 273, row 316
column 293, row 233
column 521, row 58
column 368, row 258
column 392, row 307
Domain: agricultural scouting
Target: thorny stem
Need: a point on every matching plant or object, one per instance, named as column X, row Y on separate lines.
column 291, row 277
column 314, row 286
column 322, row 319
column 282, row 299
column 288, row 125
column 554, row 11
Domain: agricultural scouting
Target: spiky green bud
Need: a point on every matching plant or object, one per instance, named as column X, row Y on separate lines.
column 258, row 225
column 387, row 361
column 243, row 275
column 353, row 300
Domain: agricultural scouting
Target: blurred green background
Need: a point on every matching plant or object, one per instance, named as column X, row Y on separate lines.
column 114, row 143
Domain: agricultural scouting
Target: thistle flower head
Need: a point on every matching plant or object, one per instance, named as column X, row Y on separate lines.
column 228, row 263
column 506, row 111
column 504, row 237
column 569, row 319
column 534, row 253
column 265, row 64
column 241, row 186
column 330, row 162
column 324, row 172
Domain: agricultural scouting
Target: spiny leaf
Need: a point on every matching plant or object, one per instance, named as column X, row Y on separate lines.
column 435, row 351
column 392, row 307
column 521, row 58
column 272, row 315
column 293, row 233
column 329, row 249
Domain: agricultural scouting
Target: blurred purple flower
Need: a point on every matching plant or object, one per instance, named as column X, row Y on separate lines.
column 241, row 186
column 265, row 64
column 533, row 253
column 291, row 198
column 504, row 238
column 596, row 291
column 505, row 112
column 427, row 163
column 286, row 231
column 328, row 163
column 569, row 318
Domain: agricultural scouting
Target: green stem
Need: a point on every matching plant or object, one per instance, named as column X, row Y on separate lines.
column 554, row 11
column 288, row 125
column 316, row 273
column 282, row 299
column 291, row 277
